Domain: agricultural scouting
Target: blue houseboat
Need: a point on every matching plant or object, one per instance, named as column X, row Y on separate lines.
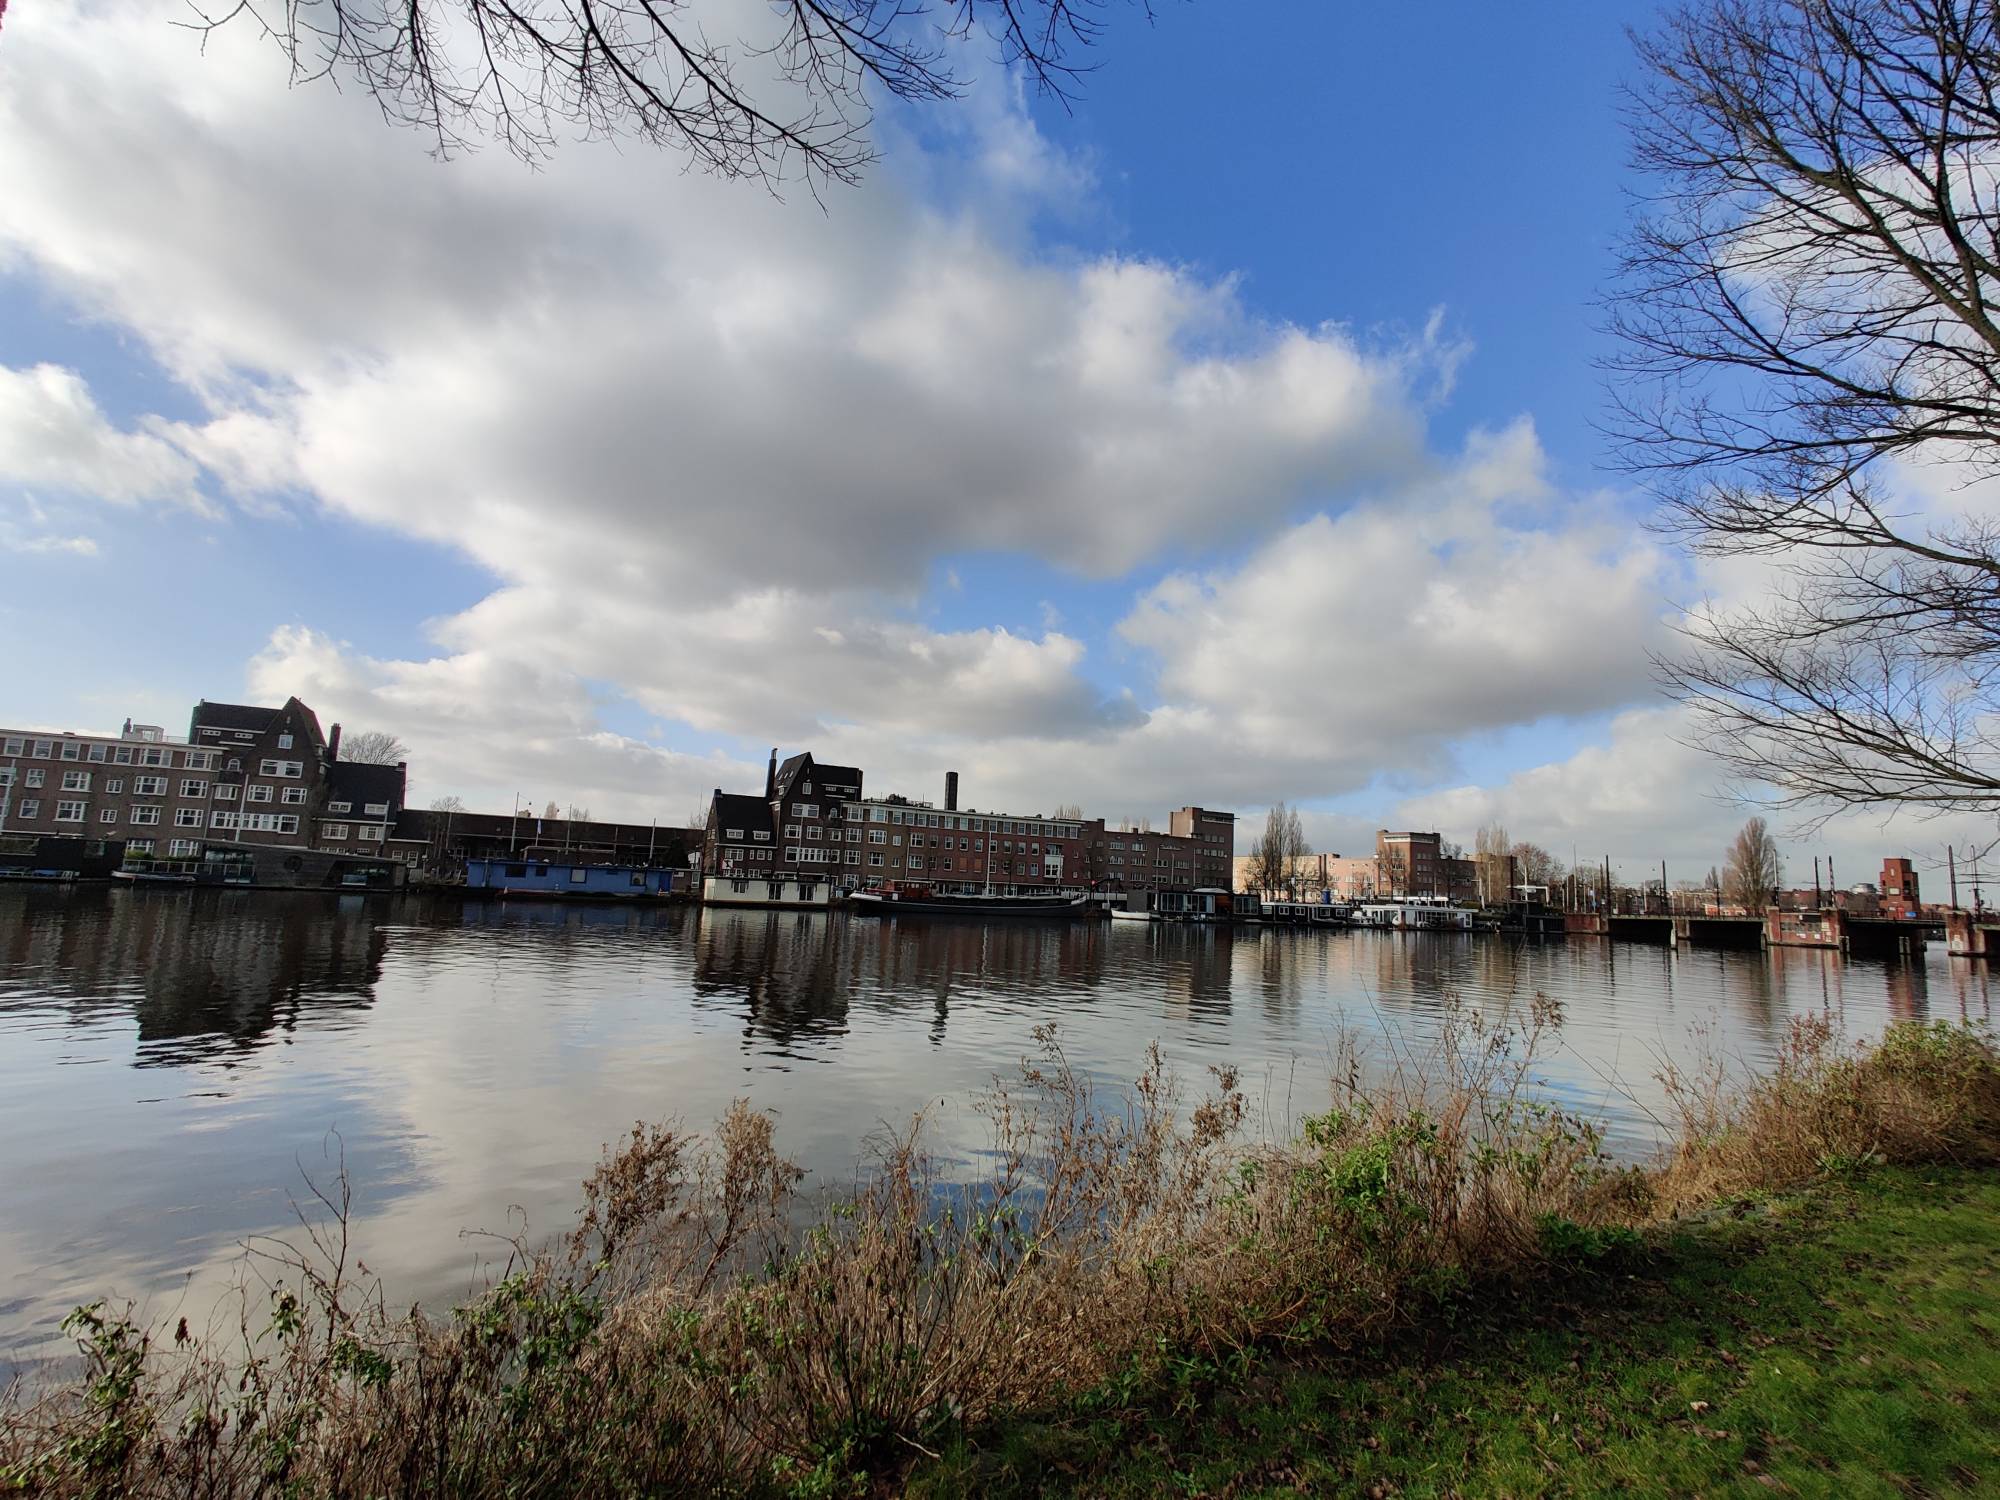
column 546, row 879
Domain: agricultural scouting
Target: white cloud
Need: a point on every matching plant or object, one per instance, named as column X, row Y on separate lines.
column 54, row 434
column 1370, row 640
column 1640, row 794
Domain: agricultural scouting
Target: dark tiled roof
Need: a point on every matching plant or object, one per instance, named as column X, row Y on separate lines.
column 358, row 782
column 733, row 810
column 232, row 716
column 840, row 775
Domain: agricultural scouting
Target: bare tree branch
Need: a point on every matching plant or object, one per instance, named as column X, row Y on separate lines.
column 1810, row 292
column 789, row 97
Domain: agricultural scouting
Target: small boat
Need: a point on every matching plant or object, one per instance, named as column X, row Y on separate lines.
column 922, row 900
column 1120, row 914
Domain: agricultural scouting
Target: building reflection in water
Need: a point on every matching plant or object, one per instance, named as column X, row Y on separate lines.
column 205, row 974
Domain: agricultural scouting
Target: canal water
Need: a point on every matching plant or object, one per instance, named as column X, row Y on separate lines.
column 177, row 1067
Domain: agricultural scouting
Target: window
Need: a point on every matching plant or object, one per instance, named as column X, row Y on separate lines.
column 138, row 846
column 31, row 808
column 896, row 839
column 225, row 794
column 377, row 809
column 805, row 809
column 199, row 760
column 763, row 835
column 579, row 876
column 109, row 815
column 806, row 787
column 146, row 816
column 791, row 830
column 334, row 831
column 854, row 856
column 98, row 752
column 72, row 750
column 69, row 812
column 13, row 745
column 728, row 833
column 151, row 756
column 187, row 817
column 295, row 796
column 284, row 742
column 44, row 749
column 340, row 807
column 878, row 836
column 183, row 848
column 34, row 777
column 149, row 786
column 916, row 862
column 223, row 819
column 875, row 861
column 285, row 768
column 367, row 832
column 287, row 822
column 257, row 794
column 194, row 788
column 121, row 755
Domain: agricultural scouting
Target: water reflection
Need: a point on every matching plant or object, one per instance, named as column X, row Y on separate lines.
column 204, row 975
column 172, row 1063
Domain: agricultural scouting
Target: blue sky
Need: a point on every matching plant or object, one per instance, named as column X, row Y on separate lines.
column 1224, row 437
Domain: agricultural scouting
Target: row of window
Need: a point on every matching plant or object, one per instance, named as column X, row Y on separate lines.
column 101, row 752
column 152, row 786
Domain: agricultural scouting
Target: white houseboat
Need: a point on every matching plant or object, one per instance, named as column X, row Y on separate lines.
column 1414, row 914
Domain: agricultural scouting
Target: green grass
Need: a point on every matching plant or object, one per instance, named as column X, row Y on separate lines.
column 1842, row 1342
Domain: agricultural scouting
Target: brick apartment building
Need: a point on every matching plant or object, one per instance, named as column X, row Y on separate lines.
column 244, row 774
column 794, row 831
column 1197, row 851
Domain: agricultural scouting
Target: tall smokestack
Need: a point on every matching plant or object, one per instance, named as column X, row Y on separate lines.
column 333, row 744
column 951, row 791
column 771, row 776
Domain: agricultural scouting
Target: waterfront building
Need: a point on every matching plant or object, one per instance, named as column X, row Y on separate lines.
column 963, row 851
column 785, row 848
column 244, row 775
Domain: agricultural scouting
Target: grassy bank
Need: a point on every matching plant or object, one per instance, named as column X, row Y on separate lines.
column 1843, row 1340
column 1132, row 1268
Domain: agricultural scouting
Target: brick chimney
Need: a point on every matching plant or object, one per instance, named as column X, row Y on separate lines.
column 951, row 791
column 333, row 744
column 771, row 776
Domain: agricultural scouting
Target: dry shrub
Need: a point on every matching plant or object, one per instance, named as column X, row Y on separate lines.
column 708, row 1327
column 1921, row 1093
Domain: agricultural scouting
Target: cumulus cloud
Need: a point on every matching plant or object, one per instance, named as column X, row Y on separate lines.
column 1640, row 793
column 487, row 729
column 1374, row 637
column 54, row 434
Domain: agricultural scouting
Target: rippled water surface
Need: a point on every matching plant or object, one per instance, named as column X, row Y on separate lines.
column 176, row 1066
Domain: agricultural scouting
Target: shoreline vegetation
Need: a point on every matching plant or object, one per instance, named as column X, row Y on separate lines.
column 1440, row 1285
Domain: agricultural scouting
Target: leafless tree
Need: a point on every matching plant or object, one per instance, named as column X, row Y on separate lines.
column 1492, row 863
column 447, row 805
column 1750, row 873
column 743, row 91
column 550, row 811
column 1537, row 866
column 1274, row 857
column 373, row 747
column 1808, row 299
